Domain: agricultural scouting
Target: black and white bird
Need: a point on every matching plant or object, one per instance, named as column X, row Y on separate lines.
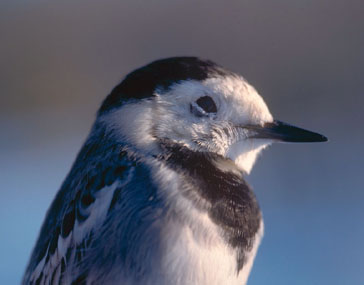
column 157, row 193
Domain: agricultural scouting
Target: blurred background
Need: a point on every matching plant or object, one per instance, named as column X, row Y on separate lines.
column 58, row 60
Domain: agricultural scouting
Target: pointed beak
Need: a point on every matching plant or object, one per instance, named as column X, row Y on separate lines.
column 283, row 132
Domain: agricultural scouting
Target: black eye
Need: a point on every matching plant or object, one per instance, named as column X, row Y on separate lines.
column 207, row 104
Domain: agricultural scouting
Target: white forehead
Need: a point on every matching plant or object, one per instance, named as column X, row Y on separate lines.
column 236, row 100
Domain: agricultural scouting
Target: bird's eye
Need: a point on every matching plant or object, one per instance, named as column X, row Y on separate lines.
column 207, row 104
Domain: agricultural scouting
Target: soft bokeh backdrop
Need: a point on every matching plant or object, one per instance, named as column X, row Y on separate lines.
column 59, row 59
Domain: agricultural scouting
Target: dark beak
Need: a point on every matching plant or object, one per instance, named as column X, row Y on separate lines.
column 280, row 131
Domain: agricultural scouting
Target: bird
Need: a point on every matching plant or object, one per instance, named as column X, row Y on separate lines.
column 158, row 195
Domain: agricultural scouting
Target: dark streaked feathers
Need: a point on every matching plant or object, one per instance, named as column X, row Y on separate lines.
column 88, row 175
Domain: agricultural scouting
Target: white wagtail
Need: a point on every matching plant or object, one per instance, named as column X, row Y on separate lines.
column 157, row 193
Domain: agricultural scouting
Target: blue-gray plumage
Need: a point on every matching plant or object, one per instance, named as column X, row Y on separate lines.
column 157, row 194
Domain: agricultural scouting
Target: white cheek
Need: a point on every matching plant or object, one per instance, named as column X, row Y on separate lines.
column 133, row 123
column 244, row 153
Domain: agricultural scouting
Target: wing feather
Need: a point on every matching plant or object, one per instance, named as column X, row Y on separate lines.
column 73, row 232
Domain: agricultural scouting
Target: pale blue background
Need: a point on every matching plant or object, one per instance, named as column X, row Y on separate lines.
column 59, row 59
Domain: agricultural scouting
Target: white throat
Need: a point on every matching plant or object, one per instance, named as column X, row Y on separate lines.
column 245, row 153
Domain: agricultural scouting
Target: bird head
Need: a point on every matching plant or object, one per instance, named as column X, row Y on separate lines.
column 197, row 104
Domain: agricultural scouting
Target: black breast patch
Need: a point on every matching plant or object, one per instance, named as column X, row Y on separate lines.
column 233, row 205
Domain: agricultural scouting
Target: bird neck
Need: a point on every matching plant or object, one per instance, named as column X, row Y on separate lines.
column 231, row 204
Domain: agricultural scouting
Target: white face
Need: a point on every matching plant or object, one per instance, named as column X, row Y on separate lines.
column 176, row 116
